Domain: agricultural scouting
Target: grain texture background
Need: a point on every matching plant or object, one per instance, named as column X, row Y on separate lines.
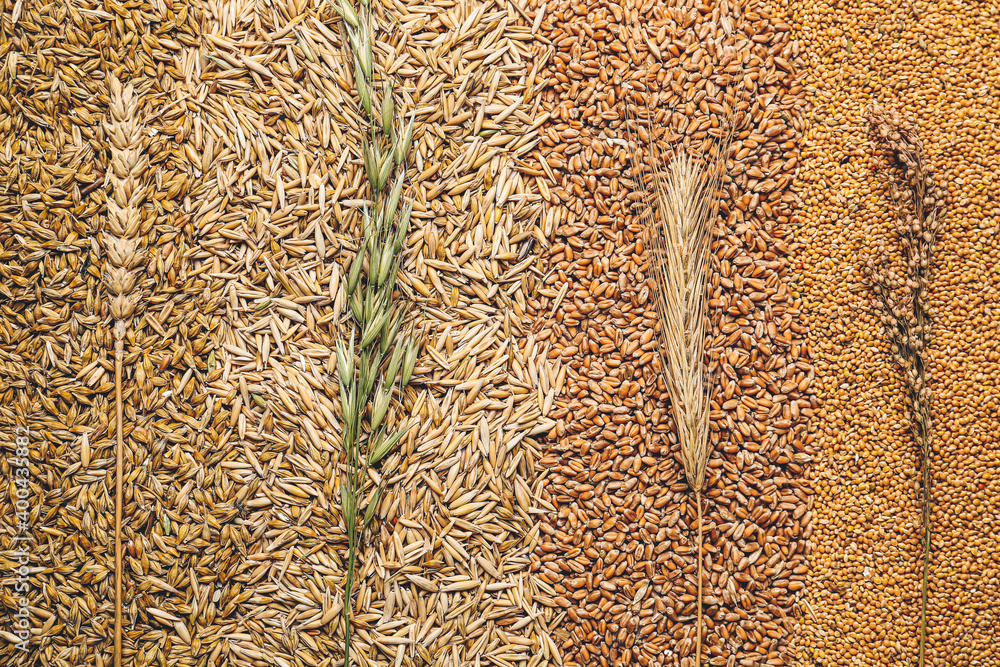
column 538, row 514
column 57, row 339
column 863, row 591
column 234, row 535
column 619, row 548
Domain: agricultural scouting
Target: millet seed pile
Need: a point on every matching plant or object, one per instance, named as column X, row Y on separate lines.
column 618, row 544
column 931, row 60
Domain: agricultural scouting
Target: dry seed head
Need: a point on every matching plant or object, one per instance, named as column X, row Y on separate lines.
column 679, row 219
column 915, row 213
column 118, row 280
column 126, row 175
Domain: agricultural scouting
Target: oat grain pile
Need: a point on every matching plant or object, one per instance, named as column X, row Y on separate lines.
column 277, row 169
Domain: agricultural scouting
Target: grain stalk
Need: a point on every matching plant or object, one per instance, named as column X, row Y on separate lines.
column 126, row 186
column 379, row 359
column 679, row 207
column 902, row 300
column 679, row 216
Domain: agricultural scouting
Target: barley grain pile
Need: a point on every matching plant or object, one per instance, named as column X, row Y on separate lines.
column 617, row 552
column 57, row 340
column 863, row 592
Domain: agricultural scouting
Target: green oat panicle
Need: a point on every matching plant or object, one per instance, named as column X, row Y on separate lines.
column 376, row 341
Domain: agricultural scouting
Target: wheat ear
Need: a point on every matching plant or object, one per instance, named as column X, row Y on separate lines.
column 126, row 191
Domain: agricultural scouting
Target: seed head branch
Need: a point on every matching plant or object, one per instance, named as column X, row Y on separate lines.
column 377, row 362
column 917, row 201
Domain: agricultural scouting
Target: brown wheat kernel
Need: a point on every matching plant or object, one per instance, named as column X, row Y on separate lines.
column 617, row 550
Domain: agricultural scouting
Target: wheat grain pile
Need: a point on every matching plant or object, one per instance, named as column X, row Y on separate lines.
column 618, row 549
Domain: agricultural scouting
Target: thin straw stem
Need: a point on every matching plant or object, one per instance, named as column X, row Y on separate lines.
column 697, row 496
column 119, row 455
column 927, row 565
